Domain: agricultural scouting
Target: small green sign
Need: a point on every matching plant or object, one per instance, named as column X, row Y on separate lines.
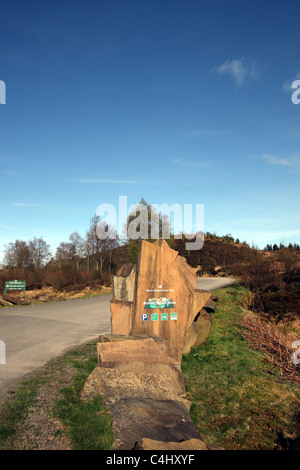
column 154, row 316
column 164, row 317
column 173, row 316
column 15, row 285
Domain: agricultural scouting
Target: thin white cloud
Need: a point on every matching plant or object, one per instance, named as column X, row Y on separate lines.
column 7, row 227
column 104, row 180
column 46, row 206
column 112, row 181
column 188, row 163
column 239, row 70
column 293, row 162
column 206, row 132
column 10, row 173
column 275, row 160
column 26, row 204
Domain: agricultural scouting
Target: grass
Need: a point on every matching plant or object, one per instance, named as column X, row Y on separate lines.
column 15, row 410
column 239, row 400
column 88, row 423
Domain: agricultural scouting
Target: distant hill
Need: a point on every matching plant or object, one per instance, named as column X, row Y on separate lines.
column 215, row 257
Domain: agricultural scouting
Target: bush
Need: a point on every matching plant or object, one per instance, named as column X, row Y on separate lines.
column 59, row 280
column 20, row 275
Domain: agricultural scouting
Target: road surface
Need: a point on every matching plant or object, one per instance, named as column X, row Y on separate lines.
column 213, row 283
column 35, row 334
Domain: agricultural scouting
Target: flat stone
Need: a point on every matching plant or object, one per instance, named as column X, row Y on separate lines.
column 135, row 419
column 115, row 384
column 144, row 350
column 210, row 306
column 143, row 356
column 189, row 444
column 110, row 338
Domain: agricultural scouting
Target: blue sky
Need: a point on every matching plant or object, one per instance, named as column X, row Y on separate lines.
column 176, row 102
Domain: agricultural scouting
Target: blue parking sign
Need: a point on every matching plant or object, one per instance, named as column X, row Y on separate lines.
column 145, row 316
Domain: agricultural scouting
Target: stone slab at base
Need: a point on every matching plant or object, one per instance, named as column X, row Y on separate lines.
column 141, row 418
column 190, row 444
column 140, row 356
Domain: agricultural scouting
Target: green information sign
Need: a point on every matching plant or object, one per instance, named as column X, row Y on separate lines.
column 15, row 285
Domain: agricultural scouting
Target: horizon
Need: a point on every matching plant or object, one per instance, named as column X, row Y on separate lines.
column 174, row 103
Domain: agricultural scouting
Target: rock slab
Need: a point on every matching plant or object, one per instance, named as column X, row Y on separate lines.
column 158, row 299
column 144, row 390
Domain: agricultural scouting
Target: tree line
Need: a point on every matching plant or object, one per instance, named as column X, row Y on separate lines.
column 90, row 258
column 34, row 261
column 282, row 246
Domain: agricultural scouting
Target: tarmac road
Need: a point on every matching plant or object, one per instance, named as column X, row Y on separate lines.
column 213, row 283
column 35, row 334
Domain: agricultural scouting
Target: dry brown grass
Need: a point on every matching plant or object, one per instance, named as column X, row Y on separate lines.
column 273, row 342
column 50, row 294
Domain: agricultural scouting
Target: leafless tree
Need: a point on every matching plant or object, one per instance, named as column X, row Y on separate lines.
column 18, row 255
column 101, row 248
column 64, row 254
column 39, row 252
column 88, row 249
column 77, row 248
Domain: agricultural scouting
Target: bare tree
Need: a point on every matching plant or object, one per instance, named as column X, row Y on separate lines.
column 77, row 248
column 101, row 247
column 18, row 255
column 64, row 254
column 39, row 252
column 88, row 249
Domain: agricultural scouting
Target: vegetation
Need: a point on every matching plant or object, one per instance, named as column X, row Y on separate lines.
column 87, row 425
column 239, row 399
column 15, row 411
